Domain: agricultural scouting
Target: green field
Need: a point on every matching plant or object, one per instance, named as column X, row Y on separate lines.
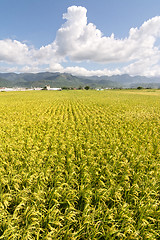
column 80, row 165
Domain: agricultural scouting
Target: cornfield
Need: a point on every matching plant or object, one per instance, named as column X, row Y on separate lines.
column 79, row 165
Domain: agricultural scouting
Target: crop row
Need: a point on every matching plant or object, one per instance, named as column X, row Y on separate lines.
column 79, row 165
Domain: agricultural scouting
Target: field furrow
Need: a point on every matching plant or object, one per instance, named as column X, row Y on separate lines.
column 79, row 165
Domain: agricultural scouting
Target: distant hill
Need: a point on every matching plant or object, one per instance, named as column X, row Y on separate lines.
column 4, row 82
column 57, row 79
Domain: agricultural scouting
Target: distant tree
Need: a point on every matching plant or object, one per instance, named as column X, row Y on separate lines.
column 87, row 87
column 65, row 88
column 80, row 87
column 139, row 88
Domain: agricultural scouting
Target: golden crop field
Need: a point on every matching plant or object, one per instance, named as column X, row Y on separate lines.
column 80, row 165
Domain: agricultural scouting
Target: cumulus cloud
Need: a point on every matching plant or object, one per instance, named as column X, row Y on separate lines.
column 12, row 51
column 84, row 72
column 78, row 40
column 81, row 41
column 149, row 66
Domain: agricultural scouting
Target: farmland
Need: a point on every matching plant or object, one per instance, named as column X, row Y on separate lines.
column 79, row 165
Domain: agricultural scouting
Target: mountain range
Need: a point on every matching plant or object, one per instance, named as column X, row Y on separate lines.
column 57, row 79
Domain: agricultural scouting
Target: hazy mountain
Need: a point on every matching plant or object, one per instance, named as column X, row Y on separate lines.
column 67, row 80
column 4, row 82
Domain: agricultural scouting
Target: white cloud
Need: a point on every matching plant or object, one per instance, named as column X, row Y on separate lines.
column 55, row 67
column 145, row 67
column 79, row 40
column 12, row 51
column 7, row 69
column 84, row 72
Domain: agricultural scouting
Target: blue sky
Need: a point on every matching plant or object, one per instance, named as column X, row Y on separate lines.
column 103, row 37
